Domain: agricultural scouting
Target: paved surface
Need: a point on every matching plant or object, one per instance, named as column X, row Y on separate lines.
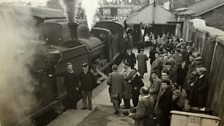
column 100, row 100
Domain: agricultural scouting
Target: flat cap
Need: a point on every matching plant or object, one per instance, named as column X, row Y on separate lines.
column 198, row 58
column 85, row 64
column 202, row 69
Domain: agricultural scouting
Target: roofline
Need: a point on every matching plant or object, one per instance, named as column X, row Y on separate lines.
column 203, row 12
column 138, row 11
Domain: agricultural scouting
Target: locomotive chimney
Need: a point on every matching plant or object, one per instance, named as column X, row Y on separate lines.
column 73, row 29
column 70, row 9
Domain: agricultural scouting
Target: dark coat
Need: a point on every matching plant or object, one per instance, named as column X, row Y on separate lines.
column 87, row 81
column 164, row 102
column 142, row 65
column 116, row 82
column 152, row 55
column 136, row 84
column 71, row 83
column 130, row 59
column 198, row 92
column 71, row 80
column 190, row 76
column 172, row 74
column 144, row 112
column 181, row 74
column 178, row 100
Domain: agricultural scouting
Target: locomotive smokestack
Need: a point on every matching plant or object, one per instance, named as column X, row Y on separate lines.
column 73, row 30
column 70, row 10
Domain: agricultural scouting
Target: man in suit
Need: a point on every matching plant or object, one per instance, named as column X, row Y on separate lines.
column 115, row 82
column 130, row 58
column 87, row 81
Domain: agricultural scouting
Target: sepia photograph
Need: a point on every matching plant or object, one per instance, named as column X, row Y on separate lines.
column 112, row 63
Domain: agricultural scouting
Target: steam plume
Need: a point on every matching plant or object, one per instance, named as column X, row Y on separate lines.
column 34, row 3
column 90, row 7
column 16, row 51
column 70, row 8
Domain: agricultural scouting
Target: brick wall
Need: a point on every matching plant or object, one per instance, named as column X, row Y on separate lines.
column 215, row 18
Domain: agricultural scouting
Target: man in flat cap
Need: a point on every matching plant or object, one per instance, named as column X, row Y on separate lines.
column 87, row 79
column 199, row 89
column 115, row 82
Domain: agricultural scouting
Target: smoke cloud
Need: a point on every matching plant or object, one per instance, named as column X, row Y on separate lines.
column 70, row 8
column 34, row 3
column 90, row 7
column 16, row 51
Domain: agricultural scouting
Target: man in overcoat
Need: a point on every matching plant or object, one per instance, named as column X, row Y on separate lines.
column 199, row 89
column 144, row 110
column 115, row 82
column 164, row 104
column 87, row 81
column 142, row 63
column 71, row 84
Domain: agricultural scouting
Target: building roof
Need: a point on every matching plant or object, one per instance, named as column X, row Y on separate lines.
column 44, row 13
column 148, row 13
column 202, row 7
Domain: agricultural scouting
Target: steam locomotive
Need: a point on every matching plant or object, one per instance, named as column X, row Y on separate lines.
column 66, row 42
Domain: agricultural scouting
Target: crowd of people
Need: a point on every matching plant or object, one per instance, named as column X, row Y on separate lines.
column 177, row 75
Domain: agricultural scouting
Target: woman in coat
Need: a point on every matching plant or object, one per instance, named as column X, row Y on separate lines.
column 142, row 65
column 144, row 110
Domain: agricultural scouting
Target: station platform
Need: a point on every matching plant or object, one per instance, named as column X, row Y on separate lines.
column 102, row 112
